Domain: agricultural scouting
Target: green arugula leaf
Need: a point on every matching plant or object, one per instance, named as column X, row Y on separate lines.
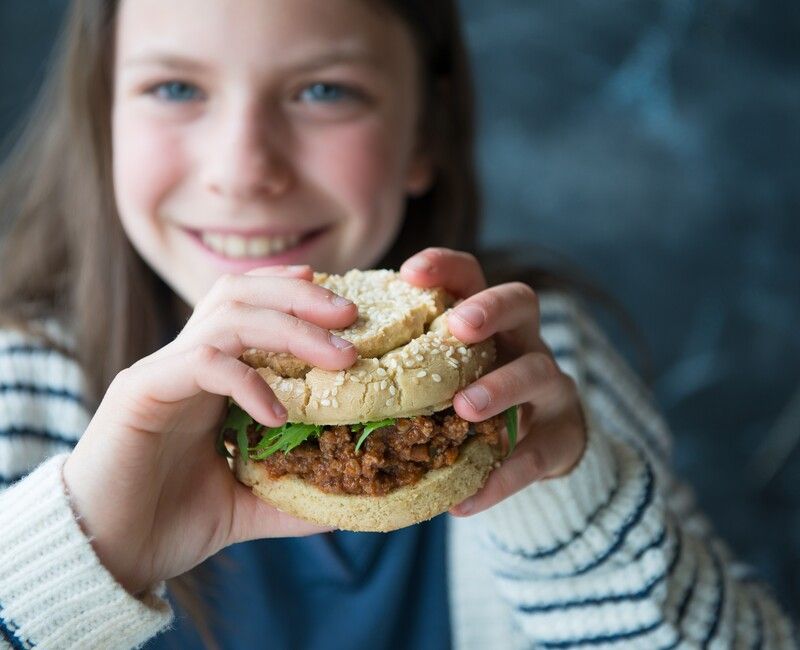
column 237, row 420
column 284, row 439
column 511, row 427
column 241, row 440
column 369, row 427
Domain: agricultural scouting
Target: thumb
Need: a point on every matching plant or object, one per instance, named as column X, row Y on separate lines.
column 254, row 518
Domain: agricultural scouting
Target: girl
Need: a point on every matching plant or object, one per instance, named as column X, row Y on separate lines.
column 195, row 160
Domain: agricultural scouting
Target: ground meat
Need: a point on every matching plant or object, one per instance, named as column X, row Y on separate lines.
column 389, row 458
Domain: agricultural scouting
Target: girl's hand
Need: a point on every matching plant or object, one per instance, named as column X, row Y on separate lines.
column 552, row 433
column 145, row 478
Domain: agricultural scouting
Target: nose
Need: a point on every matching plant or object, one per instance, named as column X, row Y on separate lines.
column 246, row 160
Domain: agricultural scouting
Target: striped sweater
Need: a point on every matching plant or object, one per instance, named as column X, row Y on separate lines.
column 613, row 555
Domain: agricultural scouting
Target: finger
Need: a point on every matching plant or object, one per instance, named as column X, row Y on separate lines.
column 255, row 519
column 512, row 308
column 550, row 450
column 235, row 327
column 181, row 376
column 459, row 273
column 295, row 296
column 300, row 271
column 533, row 377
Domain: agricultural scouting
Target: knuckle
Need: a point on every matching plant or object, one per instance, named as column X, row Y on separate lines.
column 491, row 302
column 203, row 354
column 302, row 328
column 467, row 257
column 545, row 368
column 228, row 306
column 122, row 379
column 569, row 385
column 532, row 463
column 226, row 283
column 435, row 252
column 523, row 292
column 250, row 376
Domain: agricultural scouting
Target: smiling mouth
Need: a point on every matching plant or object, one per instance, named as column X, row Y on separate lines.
column 245, row 247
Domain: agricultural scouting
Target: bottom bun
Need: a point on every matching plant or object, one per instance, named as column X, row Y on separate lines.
column 436, row 492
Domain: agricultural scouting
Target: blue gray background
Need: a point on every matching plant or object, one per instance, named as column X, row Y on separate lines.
column 655, row 146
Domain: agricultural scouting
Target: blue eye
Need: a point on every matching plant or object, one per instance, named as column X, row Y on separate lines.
column 324, row 92
column 176, row 91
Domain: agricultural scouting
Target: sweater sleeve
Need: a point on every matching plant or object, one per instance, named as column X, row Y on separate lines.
column 54, row 592
column 615, row 554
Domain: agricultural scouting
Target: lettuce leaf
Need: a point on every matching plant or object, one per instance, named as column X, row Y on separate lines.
column 238, row 421
column 369, row 427
column 283, row 438
column 511, row 427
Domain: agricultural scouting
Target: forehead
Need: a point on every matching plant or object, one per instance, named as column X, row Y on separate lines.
column 263, row 33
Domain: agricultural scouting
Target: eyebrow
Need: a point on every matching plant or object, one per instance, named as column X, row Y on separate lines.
column 301, row 62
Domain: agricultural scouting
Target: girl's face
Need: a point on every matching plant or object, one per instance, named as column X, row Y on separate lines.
column 262, row 132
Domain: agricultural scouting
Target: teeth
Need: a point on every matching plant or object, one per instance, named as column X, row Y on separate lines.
column 248, row 247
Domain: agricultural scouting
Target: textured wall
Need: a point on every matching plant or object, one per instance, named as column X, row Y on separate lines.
column 656, row 145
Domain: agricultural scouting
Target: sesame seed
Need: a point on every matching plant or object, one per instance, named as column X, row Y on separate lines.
column 422, row 373
column 484, row 354
column 389, row 402
column 436, row 378
column 392, row 391
column 420, row 358
column 383, row 384
column 449, row 352
column 326, row 392
column 462, row 350
column 381, row 372
column 335, row 403
column 325, row 402
column 435, row 351
column 465, row 359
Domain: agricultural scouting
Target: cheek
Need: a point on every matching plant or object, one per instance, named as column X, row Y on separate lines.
column 148, row 163
column 360, row 166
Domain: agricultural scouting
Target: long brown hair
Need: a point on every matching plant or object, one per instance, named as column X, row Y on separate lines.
column 65, row 255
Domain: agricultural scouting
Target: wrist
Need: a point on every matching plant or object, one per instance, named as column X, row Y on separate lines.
column 117, row 553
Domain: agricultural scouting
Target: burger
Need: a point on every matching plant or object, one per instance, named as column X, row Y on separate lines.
column 377, row 446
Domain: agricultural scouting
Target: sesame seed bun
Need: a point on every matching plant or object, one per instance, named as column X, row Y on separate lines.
column 409, row 365
column 409, row 362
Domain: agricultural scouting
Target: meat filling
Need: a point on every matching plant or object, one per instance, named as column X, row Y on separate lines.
column 390, row 457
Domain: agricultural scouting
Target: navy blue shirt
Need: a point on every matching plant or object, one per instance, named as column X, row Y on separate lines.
column 330, row 591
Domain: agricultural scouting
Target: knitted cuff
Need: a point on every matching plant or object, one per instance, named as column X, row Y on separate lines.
column 54, row 592
column 551, row 512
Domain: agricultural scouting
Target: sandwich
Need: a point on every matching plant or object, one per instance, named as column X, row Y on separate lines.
column 377, row 446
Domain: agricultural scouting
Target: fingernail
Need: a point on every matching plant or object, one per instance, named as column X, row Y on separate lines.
column 279, row 410
column 419, row 264
column 339, row 301
column 341, row 344
column 471, row 315
column 477, row 397
column 466, row 507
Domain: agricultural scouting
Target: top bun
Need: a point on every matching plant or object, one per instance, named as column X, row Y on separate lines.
column 409, row 363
